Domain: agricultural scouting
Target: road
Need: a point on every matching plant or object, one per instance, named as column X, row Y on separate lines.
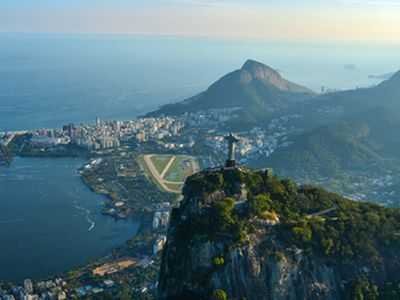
column 160, row 177
column 156, row 175
column 171, row 161
column 323, row 212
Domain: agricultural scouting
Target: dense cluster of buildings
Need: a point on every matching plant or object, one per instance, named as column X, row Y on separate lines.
column 56, row 289
column 89, row 289
column 161, row 220
column 48, row 138
column 212, row 118
column 112, row 133
column 105, row 135
column 51, row 289
column 161, row 216
column 256, row 142
column 383, row 188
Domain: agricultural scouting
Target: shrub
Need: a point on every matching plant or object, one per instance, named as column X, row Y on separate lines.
column 303, row 234
column 221, row 214
column 219, row 295
column 218, row 262
column 259, row 204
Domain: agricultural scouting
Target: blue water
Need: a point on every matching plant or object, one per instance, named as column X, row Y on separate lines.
column 50, row 221
column 47, row 80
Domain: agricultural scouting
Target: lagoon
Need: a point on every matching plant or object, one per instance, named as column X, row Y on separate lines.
column 50, row 221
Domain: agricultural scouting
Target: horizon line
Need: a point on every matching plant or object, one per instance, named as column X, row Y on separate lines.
column 206, row 36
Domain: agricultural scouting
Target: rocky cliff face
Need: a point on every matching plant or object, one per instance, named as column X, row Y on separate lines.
column 260, row 258
column 269, row 76
column 252, row 272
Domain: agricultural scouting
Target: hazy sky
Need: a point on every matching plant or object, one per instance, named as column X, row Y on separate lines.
column 375, row 20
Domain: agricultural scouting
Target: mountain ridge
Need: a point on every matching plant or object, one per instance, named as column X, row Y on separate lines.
column 254, row 86
column 330, row 151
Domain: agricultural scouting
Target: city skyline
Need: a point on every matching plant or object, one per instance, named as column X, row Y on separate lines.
column 355, row 20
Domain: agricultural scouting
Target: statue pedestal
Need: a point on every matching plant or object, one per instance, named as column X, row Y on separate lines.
column 230, row 163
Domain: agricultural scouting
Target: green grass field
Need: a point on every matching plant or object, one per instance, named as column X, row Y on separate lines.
column 181, row 168
column 142, row 163
column 173, row 172
column 160, row 162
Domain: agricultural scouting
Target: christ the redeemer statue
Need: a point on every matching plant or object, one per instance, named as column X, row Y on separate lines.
column 232, row 140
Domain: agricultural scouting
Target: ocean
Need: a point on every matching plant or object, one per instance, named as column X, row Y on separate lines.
column 47, row 80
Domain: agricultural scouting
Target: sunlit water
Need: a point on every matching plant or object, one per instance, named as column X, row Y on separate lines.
column 48, row 80
column 50, row 221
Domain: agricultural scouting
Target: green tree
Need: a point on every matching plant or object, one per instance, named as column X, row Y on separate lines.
column 221, row 214
column 218, row 295
column 218, row 261
column 259, row 204
column 303, row 234
column 360, row 288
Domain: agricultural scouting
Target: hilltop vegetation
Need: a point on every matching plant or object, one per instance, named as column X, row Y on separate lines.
column 235, row 222
column 330, row 151
column 357, row 230
column 361, row 137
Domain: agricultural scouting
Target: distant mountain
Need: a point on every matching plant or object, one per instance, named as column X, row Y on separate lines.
column 384, row 76
column 255, row 87
column 389, row 91
column 359, row 137
column 384, row 124
column 386, row 94
column 330, row 151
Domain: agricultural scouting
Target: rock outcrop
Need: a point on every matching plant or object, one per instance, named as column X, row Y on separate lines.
column 261, row 259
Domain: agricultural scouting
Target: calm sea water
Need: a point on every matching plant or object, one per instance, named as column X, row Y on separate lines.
column 50, row 221
column 48, row 80
column 46, row 213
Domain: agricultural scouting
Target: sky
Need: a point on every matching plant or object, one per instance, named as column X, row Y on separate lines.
column 347, row 20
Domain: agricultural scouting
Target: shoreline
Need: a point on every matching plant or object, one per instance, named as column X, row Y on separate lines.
column 135, row 219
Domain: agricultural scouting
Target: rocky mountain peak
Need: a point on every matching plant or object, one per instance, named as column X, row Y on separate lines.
column 261, row 71
column 269, row 77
